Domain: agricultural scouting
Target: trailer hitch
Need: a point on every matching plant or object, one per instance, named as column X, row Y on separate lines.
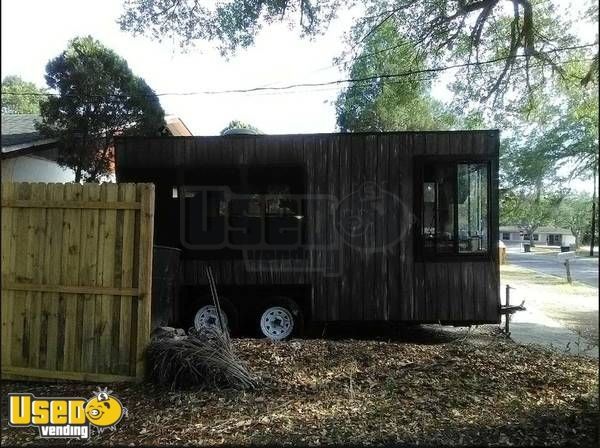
column 508, row 310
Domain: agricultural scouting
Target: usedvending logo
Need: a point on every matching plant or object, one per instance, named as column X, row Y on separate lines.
column 72, row 417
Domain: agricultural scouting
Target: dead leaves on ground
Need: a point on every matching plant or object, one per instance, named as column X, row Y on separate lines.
column 365, row 392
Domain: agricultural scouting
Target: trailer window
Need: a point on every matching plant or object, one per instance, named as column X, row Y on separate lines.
column 472, row 207
column 454, row 209
column 438, row 209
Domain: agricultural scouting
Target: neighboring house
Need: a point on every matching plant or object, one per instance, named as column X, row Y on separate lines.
column 550, row 236
column 176, row 127
column 28, row 157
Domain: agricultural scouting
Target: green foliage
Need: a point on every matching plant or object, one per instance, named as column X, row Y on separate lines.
column 233, row 23
column 237, row 124
column 555, row 141
column 97, row 97
column 524, row 37
column 575, row 213
column 529, row 210
column 16, row 98
column 378, row 104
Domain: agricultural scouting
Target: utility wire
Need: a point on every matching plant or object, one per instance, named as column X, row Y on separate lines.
column 325, row 83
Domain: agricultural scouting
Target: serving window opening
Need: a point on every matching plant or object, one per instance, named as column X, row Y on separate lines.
column 246, row 207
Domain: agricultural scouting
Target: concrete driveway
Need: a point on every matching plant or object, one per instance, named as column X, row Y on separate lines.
column 583, row 269
column 558, row 315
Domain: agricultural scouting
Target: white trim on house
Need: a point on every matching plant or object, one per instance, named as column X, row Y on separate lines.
column 28, row 145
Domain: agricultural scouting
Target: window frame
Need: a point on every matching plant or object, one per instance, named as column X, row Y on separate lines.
column 418, row 195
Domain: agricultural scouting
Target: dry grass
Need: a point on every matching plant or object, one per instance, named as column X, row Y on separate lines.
column 201, row 360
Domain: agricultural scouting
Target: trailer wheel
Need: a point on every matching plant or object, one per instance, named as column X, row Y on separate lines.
column 280, row 318
column 206, row 316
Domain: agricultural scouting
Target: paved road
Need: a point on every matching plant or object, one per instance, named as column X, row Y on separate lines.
column 583, row 269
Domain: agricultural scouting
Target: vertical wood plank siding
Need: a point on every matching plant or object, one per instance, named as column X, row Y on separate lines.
column 76, row 271
column 377, row 280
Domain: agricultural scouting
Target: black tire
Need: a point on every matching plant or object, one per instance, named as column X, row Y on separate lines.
column 227, row 307
column 291, row 306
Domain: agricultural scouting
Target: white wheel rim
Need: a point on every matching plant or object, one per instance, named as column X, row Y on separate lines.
column 207, row 317
column 277, row 323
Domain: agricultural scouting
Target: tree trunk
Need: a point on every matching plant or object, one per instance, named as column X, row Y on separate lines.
column 593, row 236
column 78, row 174
column 531, row 230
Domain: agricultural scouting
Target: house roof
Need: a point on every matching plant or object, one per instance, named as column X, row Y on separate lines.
column 19, row 128
column 19, row 133
column 555, row 230
column 176, row 126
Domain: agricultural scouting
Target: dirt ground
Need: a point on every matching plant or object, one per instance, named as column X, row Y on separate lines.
column 558, row 313
column 434, row 388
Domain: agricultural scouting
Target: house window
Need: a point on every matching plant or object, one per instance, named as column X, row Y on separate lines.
column 505, row 236
column 536, row 237
column 453, row 209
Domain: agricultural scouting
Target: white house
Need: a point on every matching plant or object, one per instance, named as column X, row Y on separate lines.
column 543, row 236
column 28, row 157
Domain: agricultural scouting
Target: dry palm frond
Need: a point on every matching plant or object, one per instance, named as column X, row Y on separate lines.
column 202, row 359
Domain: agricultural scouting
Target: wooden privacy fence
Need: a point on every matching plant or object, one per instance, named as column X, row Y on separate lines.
column 76, row 280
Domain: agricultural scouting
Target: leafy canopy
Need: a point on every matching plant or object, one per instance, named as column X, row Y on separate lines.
column 237, row 124
column 551, row 143
column 528, row 210
column 575, row 213
column 97, row 97
column 20, row 97
column 506, row 46
column 233, row 24
column 558, row 139
column 379, row 104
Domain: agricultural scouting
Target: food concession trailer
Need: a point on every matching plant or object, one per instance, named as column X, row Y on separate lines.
column 353, row 227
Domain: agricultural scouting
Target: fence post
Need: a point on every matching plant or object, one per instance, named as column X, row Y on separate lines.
column 568, row 268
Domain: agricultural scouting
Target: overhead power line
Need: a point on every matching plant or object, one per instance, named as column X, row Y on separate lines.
column 326, row 83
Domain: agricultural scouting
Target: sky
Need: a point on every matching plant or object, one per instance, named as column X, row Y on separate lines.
column 33, row 32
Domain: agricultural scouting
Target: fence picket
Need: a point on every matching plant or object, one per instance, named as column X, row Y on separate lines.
column 8, row 269
column 51, row 300
column 128, row 193
column 37, row 251
column 70, row 305
column 22, row 301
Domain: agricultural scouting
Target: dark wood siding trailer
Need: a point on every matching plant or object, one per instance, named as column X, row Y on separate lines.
column 398, row 226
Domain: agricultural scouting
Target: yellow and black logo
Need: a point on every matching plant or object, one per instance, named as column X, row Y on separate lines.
column 66, row 417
